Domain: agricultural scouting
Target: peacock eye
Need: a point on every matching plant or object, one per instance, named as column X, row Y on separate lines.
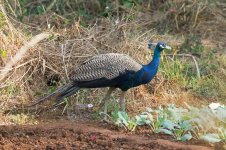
column 162, row 45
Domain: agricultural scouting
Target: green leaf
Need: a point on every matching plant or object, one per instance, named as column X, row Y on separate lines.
column 185, row 125
column 222, row 133
column 132, row 124
column 140, row 120
column 221, row 113
column 40, row 9
column 186, row 137
column 144, row 118
column 123, row 117
column 164, row 131
column 168, row 124
column 211, row 137
column 178, row 132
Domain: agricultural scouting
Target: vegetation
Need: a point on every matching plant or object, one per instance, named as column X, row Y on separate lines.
column 194, row 73
column 183, row 124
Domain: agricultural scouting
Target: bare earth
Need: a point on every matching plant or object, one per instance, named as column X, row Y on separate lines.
column 87, row 135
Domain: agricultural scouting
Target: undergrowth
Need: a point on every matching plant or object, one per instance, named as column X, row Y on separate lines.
column 183, row 124
column 81, row 29
column 182, row 69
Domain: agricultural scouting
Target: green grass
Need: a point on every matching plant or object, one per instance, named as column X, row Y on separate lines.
column 183, row 72
column 22, row 118
column 174, row 69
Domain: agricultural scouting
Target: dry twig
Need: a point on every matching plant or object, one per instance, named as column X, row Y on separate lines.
column 21, row 53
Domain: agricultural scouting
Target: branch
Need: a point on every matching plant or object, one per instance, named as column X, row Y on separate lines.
column 21, row 53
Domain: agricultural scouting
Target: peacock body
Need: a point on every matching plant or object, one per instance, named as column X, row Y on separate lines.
column 107, row 70
column 110, row 70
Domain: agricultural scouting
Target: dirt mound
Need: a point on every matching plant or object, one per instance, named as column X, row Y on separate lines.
column 85, row 135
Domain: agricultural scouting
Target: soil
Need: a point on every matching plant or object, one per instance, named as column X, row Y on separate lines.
column 64, row 134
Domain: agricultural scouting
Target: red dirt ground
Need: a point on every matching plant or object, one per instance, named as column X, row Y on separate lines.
column 87, row 135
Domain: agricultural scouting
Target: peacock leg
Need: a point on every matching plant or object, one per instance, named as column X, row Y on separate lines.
column 122, row 101
column 106, row 100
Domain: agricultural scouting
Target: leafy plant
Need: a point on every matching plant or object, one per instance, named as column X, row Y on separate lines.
column 171, row 121
column 181, row 123
column 145, row 118
column 122, row 120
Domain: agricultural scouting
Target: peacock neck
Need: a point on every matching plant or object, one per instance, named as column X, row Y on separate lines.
column 155, row 60
column 157, row 54
column 150, row 70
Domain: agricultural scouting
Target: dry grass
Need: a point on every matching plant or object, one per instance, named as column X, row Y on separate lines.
column 69, row 47
column 205, row 18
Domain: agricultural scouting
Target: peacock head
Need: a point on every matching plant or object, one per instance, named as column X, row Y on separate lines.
column 161, row 46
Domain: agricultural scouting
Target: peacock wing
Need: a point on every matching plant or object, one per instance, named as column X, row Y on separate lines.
column 105, row 66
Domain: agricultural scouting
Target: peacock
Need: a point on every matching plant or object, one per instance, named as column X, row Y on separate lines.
column 111, row 70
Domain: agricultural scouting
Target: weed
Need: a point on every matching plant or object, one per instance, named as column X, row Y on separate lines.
column 174, row 69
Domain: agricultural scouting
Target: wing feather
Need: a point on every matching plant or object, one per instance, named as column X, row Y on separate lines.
column 107, row 66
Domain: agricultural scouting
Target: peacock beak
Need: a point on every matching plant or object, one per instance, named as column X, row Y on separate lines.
column 168, row 47
column 165, row 47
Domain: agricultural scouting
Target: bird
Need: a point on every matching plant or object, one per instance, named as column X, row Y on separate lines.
column 113, row 70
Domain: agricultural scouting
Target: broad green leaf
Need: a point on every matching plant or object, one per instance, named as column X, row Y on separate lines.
column 164, row 131
column 185, row 125
column 221, row 113
column 186, row 137
column 168, row 124
column 140, row 120
column 211, row 137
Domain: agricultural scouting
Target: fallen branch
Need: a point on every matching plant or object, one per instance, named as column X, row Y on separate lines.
column 21, row 53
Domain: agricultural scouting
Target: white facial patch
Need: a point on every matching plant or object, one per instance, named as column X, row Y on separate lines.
column 161, row 46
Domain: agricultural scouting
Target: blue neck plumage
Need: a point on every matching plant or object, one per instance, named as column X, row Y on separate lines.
column 153, row 65
column 146, row 74
column 151, row 69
